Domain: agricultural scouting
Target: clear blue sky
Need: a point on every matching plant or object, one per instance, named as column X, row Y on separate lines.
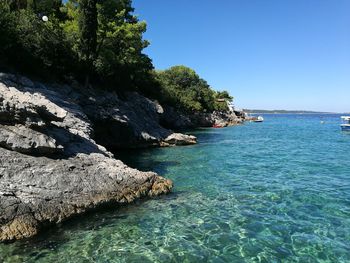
column 270, row 54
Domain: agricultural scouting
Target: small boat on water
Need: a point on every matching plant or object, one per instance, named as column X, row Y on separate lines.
column 345, row 126
column 217, row 126
column 258, row 119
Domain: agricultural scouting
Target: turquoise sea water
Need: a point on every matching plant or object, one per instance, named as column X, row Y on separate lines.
column 277, row 191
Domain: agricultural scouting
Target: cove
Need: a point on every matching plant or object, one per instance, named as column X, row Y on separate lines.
column 277, row 191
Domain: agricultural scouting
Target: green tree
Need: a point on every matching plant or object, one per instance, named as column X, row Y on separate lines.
column 88, row 34
column 120, row 61
column 31, row 46
column 15, row 4
column 7, row 27
column 182, row 88
column 47, row 7
column 224, row 95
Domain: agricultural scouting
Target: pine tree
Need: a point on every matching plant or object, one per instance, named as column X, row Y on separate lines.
column 88, row 25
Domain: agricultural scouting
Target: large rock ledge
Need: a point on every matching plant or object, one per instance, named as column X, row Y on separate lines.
column 51, row 167
column 37, row 191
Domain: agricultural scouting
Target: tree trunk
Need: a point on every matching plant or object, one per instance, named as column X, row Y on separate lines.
column 88, row 26
column 87, row 81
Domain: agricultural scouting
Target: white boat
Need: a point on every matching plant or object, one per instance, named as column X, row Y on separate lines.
column 346, row 123
column 259, row 119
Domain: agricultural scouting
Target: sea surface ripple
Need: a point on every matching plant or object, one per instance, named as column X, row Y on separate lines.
column 277, row 191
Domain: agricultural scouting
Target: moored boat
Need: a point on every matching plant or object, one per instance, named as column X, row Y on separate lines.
column 259, row 119
column 217, row 126
column 345, row 126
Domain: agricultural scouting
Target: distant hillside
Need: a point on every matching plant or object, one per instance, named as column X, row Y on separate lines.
column 285, row 111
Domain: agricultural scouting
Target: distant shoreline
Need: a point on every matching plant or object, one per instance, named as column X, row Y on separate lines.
column 288, row 112
column 315, row 113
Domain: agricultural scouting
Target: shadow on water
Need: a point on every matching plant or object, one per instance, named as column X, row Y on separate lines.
column 209, row 137
column 107, row 216
column 146, row 159
column 137, row 158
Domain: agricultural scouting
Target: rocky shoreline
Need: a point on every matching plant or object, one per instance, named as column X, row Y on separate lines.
column 55, row 143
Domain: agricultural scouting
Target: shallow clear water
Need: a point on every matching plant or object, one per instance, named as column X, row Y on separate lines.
column 277, row 191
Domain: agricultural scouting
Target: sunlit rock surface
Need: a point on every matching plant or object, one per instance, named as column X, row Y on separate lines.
column 51, row 168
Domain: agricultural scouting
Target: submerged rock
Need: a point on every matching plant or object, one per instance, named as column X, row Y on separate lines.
column 180, row 139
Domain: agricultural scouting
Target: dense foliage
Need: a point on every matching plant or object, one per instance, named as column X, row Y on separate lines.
column 181, row 87
column 95, row 41
column 99, row 38
column 32, row 46
column 88, row 26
